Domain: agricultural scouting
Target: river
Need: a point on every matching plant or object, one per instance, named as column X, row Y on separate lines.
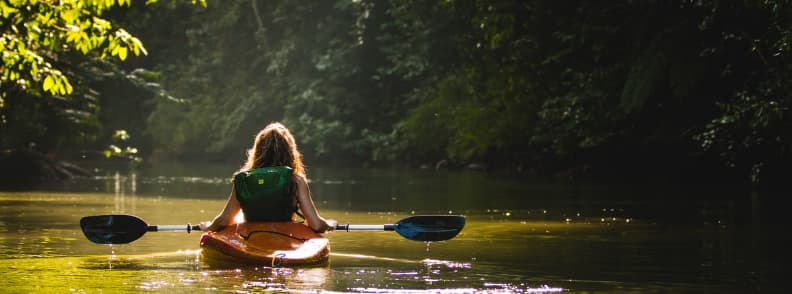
column 521, row 236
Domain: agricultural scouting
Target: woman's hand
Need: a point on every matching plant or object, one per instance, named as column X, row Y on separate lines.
column 331, row 224
column 205, row 225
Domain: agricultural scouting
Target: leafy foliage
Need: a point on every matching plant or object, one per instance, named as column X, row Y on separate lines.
column 545, row 85
column 750, row 128
column 55, row 55
column 530, row 84
column 35, row 32
column 124, row 152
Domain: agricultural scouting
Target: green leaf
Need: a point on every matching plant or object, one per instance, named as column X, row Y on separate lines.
column 122, row 53
column 138, row 46
column 48, row 83
column 121, row 135
column 67, row 85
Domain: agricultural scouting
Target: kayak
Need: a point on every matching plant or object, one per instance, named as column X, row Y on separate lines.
column 277, row 244
column 274, row 243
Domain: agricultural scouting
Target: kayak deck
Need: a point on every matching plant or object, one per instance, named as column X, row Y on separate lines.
column 276, row 244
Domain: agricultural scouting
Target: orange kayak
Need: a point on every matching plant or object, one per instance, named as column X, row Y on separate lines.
column 276, row 244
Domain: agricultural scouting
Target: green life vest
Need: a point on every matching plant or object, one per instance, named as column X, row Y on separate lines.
column 265, row 194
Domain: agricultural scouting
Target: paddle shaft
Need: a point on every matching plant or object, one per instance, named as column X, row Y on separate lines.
column 160, row 228
column 348, row 227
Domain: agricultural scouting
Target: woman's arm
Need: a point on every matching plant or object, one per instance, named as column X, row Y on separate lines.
column 226, row 217
column 315, row 221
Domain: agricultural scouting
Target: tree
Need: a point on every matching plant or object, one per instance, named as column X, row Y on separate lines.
column 52, row 51
column 660, row 86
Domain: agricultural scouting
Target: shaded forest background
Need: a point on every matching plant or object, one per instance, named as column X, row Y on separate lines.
column 689, row 91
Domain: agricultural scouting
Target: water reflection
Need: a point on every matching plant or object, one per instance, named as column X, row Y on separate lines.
column 124, row 203
column 266, row 279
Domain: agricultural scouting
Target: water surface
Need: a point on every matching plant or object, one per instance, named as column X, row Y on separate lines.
column 522, row 236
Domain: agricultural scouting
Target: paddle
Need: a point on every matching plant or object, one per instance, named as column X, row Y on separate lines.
column 424, row 228
column 122, row 229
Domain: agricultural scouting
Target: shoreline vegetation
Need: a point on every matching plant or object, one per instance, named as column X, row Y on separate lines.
column 26, row 169
column 671, row 91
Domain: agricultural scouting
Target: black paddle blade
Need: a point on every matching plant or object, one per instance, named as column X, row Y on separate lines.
column 113, row 229
column 430, row 228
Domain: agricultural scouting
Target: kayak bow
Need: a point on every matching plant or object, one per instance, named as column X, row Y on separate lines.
column 269, row 243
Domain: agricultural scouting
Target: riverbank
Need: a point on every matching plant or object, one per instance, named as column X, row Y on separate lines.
column 25, row 169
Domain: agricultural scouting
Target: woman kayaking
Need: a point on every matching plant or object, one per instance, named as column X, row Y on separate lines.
column 271, row 186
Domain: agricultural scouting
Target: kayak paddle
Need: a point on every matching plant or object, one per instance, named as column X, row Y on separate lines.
column 426, row 228
column 122, row 229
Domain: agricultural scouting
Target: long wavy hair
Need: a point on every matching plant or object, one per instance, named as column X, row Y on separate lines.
column 275, row 146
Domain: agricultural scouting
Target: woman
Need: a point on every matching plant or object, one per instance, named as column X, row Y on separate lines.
column 272, row 185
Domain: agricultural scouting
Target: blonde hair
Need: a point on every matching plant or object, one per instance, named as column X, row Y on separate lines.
column 275, row 146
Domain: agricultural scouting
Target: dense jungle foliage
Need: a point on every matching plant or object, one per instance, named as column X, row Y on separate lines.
column 686, row 89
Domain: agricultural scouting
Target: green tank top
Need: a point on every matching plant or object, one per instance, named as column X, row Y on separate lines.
column 265, row 194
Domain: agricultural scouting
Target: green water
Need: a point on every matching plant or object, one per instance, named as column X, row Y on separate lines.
column 521, row 236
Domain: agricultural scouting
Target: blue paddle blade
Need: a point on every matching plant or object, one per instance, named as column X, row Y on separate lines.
column 430, row 228
column 113, row 229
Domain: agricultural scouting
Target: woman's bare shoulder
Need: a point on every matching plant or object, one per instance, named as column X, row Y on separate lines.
column 299, row 179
